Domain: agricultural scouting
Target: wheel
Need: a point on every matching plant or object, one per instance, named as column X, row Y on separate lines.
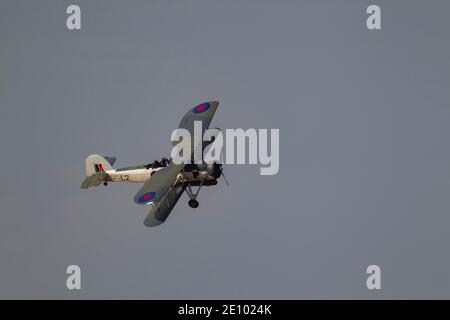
column 105, row 183
column 193, row 203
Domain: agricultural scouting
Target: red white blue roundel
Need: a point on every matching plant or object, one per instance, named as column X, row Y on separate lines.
column 201, row 108
column 147, row 197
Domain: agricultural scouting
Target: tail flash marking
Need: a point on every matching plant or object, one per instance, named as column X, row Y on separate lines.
column 98, row 167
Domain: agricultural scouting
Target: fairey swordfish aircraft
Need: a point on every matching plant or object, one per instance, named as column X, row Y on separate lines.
column 164, row 181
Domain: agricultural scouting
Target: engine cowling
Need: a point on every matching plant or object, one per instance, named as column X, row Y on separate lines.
column 214, row 170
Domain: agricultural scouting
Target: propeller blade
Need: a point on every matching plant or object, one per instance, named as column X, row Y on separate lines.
column 224, row 178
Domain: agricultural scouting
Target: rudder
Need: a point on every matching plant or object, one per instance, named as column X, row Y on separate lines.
column 96, row 163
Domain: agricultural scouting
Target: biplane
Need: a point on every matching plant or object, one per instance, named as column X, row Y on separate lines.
column 164, row 181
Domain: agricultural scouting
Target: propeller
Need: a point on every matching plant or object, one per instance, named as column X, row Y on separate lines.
column 216, row 170
column 224, row 178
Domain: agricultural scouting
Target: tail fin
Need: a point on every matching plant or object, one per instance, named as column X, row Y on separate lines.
column 96, row 163
column 95, row 170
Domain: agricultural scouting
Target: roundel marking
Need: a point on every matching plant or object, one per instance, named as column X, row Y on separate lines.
column 201, row 108
column 147, row 197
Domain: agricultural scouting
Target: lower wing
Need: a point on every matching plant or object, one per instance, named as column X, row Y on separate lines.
column 158, row 185
column 160, row 211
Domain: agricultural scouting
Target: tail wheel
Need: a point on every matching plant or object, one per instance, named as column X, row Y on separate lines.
column 105, row 183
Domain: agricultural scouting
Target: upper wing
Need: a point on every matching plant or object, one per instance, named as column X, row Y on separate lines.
column 159, row 189
column 158, row 185
column 203, row 112
column 160, row 211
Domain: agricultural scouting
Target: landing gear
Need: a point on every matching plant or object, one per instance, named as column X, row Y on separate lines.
column 105, row 183
column 193, row 203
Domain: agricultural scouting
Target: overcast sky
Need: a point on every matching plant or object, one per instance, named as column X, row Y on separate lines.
column 364, row 119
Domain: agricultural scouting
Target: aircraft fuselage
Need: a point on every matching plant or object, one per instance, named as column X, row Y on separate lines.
column 144, row 174
column 133, row 175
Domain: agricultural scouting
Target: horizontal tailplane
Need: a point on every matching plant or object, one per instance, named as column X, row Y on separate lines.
column 93, row 181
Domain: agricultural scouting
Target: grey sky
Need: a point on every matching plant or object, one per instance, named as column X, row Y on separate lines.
column 364, row 121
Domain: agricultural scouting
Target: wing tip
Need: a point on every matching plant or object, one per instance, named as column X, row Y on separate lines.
column 149, row 223
column 213, row 103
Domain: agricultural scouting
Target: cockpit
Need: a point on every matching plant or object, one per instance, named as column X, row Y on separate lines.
column 164, row 162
